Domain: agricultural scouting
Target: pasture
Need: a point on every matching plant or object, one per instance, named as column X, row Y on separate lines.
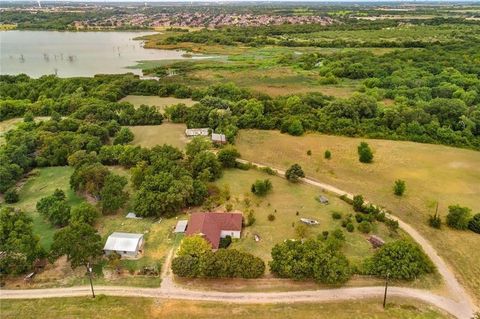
column 136, row 307
column 159, row 102
column 167, row 133
column 433, row 174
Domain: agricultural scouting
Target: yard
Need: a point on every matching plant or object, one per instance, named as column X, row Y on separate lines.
column 159, row 102
column 167, row 133
column 135, row 307
column 433, row 173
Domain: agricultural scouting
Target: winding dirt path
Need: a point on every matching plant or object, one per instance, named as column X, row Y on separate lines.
column 458, row 303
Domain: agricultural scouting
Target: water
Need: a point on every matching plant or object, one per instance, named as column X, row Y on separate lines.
column 68, row 54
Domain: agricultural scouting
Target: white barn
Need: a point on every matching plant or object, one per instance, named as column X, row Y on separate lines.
column 127, row 245
column 191, row 132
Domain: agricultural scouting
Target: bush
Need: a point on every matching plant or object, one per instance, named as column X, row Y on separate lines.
column 124, row 136
column 271, row 217
column 11, row 196
column 435, row 221
column 358, row 203
column 228, row 156
column 250, row 219
column 261, row 188
column 336, row 215
column 392, row 224
column 365, row 154
column 350, row 227
column 268, row 170
column 225, row 242
column 328, row 154
column 399, row 187
column 294, row 173
column 401, row 260
column 474, row 224
column 458, row 217
column 365, row 227
column 309, row 153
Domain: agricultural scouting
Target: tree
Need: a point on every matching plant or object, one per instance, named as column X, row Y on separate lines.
column 19, row 246
column 399, row 187
column 328, row 154
column 474, row 224
column 55, row 208
column 11, row 196
column 112, row 195
column 261, row 188
column 458, row 217
column 83, row 214
column 301, row 230
column 194, row 246
column 399, row 259
column 365, row 227
column 365, row 153
column 124, row 136
column 206, row 166
column 228, row 156
column 294, row 173
column 197, row 145
column 186, row 266
column 79, row 242
column 358, row 203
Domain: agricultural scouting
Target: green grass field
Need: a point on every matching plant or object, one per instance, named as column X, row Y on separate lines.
column 134, row 307
column 159, row 102
column 433, row 173
column 167, row 133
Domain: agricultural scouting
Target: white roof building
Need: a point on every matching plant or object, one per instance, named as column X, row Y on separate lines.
column 125, row 244
column 196, row 132
column 219, row 138
column 181, row 226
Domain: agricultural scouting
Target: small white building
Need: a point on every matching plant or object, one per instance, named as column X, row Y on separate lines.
column 127, row 245
column 181, row 226
column 219, row 138
column 192, row 132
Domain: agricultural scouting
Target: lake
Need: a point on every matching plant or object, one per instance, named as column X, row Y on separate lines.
column 70, row 54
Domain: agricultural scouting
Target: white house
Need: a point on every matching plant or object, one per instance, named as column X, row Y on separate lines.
column 191, row 132
column 127, row 245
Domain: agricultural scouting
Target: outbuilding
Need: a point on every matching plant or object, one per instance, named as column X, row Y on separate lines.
column 219, row 138
column 181, row 226
column 127, row 245
column 192, row 132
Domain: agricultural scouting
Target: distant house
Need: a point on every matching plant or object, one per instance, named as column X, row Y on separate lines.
column 219, row 138
column 192, row 132
column 213, row 226
column 181, row 226
column 127, row 245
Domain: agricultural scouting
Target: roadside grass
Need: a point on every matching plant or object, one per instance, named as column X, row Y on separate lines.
column 39, row 183
column 136, row 307
column 159, row 102
column 433, row 173
column 166, row 133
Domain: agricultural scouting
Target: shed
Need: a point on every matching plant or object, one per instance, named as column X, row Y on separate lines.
column 322, row 199
column 181, row 226
column 219, row 138
column 309, row 221
column 191, row 132
column 376, row 241
column 127, row 245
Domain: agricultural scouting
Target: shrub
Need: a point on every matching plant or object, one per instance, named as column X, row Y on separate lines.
column 250, row 219
column 365, row 227
column 435, row 221
column 358, row 203
column 11, row 196
column 124, row 136
column 271, row 217
column 268, row 170
column 336, row 215
column 261, row 188
column 294, row 173
column 228, row 156
column 399, row 187
column 458, row 217
column 328, row 154
column 401, row 260
column 474, row 224
column 350, row 227
column 365, row 154
column 225, row 242
column 309, row 153
column 391, row 224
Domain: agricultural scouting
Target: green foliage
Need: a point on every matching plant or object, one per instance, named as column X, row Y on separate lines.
column 311, row 259
column 474, row 224
column 400, row 260
column 271, row 217
column 55, row 208
column 365, row 227
column 358, row 203
column 294, row 173
column 336, row 215
column 228, row 156
column 79, row 242
column 194, row 246
column 186, row 266
column 399, row 187
column 309, row 153
column 365, row 154
column 225, row 242
column 124, row 136
column 261, row 188
column 11, row 196
column 435, row 221
column 112, row 195
column 350, row 227
column 327, row 155
column 197, row 145
column 205, row 166
column 458, row 217
column 83, row 214
column 301, row 230
column 18, row 244
column 250, row 219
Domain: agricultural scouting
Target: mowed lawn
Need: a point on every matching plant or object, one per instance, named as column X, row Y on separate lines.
column 159, row 102
column 40, row 183
column 289, row 202
column 166, row 133
column 135, row 307
column 433, row 173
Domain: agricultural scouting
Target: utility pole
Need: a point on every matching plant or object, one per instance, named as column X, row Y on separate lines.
column 90, row 269
column 385, row 294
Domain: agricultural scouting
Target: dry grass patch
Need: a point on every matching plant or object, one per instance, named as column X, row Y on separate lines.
column 433, row 173
column 167, row 133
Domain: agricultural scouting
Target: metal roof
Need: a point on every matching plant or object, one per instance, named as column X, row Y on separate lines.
column 181, row 226
column 123, row 242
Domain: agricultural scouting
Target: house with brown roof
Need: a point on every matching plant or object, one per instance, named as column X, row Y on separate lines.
column 213, row 226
